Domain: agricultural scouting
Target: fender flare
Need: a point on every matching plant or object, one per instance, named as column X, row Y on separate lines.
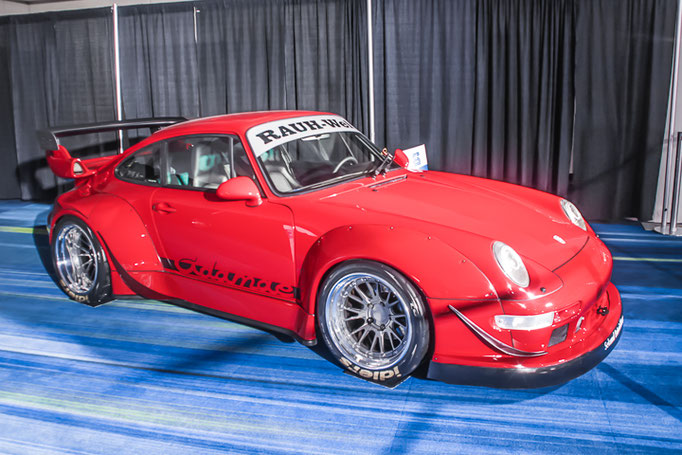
column 119, row 228
column 428, row 262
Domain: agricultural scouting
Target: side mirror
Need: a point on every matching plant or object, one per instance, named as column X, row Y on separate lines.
column 240, row 189
column 401, row 159
column 413, row 159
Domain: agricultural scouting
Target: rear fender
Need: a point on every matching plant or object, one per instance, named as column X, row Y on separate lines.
column 436, row 268
column 120, row 230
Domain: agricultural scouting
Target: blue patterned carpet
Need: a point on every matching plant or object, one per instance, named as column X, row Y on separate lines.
column 145, row 377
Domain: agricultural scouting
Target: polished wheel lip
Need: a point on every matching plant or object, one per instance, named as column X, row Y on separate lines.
column 76, row 259
column 368, row 320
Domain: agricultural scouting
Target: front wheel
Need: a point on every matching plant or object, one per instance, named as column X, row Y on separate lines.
column 80, row 263
column 373, row 320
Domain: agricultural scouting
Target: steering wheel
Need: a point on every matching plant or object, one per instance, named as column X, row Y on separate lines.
column 342, row 162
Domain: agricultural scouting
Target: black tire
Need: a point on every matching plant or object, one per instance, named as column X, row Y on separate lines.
column 354, row 326
column 80, row 263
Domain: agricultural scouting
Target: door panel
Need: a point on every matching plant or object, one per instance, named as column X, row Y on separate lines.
column 216, row 253
column 226, row 243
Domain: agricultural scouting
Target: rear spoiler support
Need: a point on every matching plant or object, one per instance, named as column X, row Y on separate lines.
column 64, row 165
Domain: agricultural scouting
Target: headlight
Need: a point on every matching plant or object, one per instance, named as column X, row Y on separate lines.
column 538, row 321
column 573, row 214
column 511, row 264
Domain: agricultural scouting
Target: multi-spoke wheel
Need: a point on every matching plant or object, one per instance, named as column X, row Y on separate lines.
column 373, row 320
column 80, row 262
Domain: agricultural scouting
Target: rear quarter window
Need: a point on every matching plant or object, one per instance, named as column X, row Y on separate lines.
column 143, row 166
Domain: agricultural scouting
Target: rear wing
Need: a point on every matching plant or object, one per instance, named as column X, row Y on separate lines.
column 64, row 165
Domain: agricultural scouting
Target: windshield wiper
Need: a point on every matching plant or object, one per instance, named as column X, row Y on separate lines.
column 384, row 163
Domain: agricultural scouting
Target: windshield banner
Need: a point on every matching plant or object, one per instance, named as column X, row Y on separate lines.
column 269, row 135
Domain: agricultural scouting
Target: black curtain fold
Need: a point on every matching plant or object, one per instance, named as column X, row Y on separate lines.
column 242, row 61
column 623, row 63
column 159, row 74
column 486, row 85
column 9, row 179
column 506, row 89
column 61, row 69
column 291, row 54
column 330, row 57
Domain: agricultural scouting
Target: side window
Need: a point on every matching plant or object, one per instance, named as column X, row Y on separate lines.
column 144, row 166
column 206, row 161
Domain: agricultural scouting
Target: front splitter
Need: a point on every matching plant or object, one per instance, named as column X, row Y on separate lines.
column 526, row 378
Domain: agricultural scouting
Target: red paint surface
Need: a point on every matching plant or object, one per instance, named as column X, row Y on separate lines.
column 436, row 228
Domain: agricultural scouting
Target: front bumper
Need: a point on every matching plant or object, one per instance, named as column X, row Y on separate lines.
column 520, row 376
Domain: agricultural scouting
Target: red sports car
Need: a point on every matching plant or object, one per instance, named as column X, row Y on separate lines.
column 296, row 223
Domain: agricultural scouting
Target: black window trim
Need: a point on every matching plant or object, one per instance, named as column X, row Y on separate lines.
column 164, row 164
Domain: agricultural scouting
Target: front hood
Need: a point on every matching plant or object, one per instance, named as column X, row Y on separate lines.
column 445, row 205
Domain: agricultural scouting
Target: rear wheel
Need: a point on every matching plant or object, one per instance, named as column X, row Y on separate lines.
column 80, row 262
column 373, row 320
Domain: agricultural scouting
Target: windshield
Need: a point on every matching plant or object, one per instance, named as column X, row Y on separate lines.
column 314, row 157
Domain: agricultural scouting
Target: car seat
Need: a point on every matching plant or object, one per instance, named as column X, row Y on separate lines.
column 209, row 170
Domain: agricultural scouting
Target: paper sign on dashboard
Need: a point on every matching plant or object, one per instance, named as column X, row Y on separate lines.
column 417, row 160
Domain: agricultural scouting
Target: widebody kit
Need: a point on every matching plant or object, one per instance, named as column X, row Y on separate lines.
column 296, row 223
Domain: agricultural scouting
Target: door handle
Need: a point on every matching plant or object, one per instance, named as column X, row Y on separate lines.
column 163, row 207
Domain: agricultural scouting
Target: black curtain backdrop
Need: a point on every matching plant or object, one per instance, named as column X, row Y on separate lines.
column 486, row 85
column 9, row 180
column 61, row 73
column 242, row 46
column 623, row 59
column 491, row 86
column 290, row 54
column 159, row 69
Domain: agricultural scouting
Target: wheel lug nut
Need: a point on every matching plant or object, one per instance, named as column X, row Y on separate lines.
column 370, row 320
column 382, row 327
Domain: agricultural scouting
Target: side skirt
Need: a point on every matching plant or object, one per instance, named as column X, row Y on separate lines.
column 145, row 292
column 271, row 329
